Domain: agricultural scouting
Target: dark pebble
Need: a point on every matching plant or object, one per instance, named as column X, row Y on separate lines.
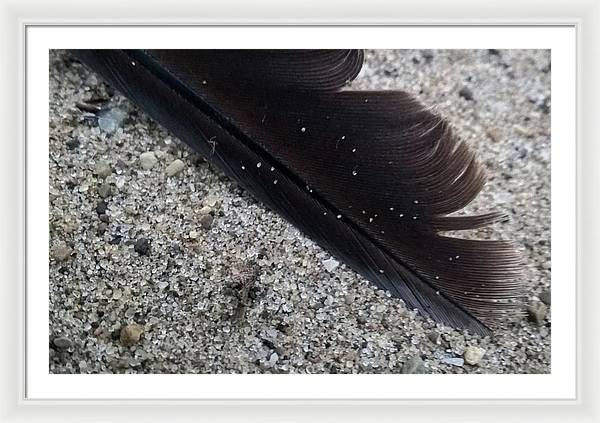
column 142, row 246
column 546, row 297
column 466, row 93
column 267, row 343
column 86, row 107
column 73, row 143
column 101, row 207
column 104, row 190
column 206, row 221
column 101, row 228
column 62, row 343
column 428, row 56
column 493, row 52
column 104, row 218
column 116, row 240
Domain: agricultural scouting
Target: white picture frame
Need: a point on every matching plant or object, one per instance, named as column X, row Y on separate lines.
column 17, row 16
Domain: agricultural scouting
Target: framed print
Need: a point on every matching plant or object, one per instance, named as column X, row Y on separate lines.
column 272, row 211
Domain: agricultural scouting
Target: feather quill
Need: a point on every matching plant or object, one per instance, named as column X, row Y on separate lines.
column 372, row 176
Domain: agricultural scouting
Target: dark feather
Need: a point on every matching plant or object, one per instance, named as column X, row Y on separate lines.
column 372, row 176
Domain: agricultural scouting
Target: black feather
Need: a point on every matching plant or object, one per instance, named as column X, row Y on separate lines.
column 372, row 176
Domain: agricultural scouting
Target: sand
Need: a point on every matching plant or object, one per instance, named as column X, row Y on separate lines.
column 147, row 237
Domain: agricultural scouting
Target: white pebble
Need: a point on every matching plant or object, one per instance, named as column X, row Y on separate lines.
column 175, row 167
column 330, row 264
column 148, row 160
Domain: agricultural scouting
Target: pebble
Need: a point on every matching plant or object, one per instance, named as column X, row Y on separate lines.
column 546, row 296
column 111, row 120
column 130, row 334
column 73, row 143
column 206, row 210
column 62, row 343
column 435, row 337
column 473, row 355
column 210, row 201
column 521, row 130
column 101, row 229
column 119, row 364
column 193, row 234
column 62, row 252
column 104, row 190
column 493, row 134
column 142, row 246
column 348, row 299
column 148, row 160
column 103, row 169
column 454, row 361
column 206, row 221
column 273, row 359
column 537, row 312
column 361, row 319
column 330, row 264
column 414, row 365
column 466, row 93
column 101, row 207
column 175, row 167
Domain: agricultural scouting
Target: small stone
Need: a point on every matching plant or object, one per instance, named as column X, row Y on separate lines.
column 466, row 93
column 130, row 334
column 453, row 361
column 62, row 252
column 493, row 134
column 111, row 120
column 521, row 130
column 82, row 365
column 330, row 264
column 205, row 210
column 103, row 169
column 104, row 190
column 361, row 319
column 101, row 207
column 121, row 363
column 116, row 240
column 273, row 359
column 546, row 296
column 537, row 312
column 142, row 246
column 348, row 299
column 414, row 365
column 493, row 52
column 210, row 201
column 104, row 218
column 193, row 234
column 206, row 221
column 175, row 167
column 101, row 228
column 427, row 55
column 148, row 160
column 473, row 355
column 62, row 343
column 435, row 337
column 73, row 143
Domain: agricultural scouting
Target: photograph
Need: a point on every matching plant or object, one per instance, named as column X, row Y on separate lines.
column 360, row 211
